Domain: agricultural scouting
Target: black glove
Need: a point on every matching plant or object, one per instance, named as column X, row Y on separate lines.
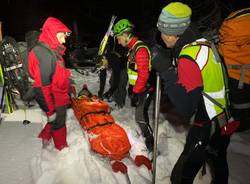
column 29, row 95
column 134, row 99
column 161, row 60
column 60, row 117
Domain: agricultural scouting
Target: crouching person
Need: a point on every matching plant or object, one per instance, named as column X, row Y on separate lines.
column 51, row 80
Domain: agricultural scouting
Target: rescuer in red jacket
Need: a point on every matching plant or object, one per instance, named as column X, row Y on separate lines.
column 51, row 80
column 138, row 67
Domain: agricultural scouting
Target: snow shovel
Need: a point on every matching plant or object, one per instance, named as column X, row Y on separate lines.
column 156, row 113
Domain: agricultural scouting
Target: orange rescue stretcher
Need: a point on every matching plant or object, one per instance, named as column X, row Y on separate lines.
column 105, row 136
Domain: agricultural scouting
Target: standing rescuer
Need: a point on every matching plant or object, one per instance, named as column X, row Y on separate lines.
column 51, row 80
column 117, row 62
column 138, row 68
column 198, row 73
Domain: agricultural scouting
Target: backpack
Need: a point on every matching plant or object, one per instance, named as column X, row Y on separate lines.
column 15, row 77
column 234, row 45
column 31, row 41
column 17, row 59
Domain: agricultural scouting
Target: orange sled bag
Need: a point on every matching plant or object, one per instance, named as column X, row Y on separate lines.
column 234, row 45
column 105, row 136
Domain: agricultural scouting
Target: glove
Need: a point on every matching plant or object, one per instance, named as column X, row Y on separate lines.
column 29, row 95
column 161, row 60
column 134, row 99
column 60, row 117
column 169, row 78
column 119, row 166
column 142, row 160
column 230, row 127
column 102, row 62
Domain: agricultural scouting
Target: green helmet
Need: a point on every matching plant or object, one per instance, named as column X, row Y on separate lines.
column 121, row 26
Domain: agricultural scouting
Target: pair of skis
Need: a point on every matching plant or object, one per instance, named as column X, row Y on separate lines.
column 103, row 44
column 6, row 93
column 104, row 41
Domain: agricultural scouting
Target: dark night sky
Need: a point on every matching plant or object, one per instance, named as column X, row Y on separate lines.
column 20, row 16
column 92, row 16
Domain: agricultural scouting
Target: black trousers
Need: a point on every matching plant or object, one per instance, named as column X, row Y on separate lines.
column 199, row 148
column 102, row 78
column 142, row 118
column 239, row 97
column 121, row 92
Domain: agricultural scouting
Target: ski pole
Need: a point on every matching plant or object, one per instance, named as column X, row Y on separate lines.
column 156, row 113
column 25, row 121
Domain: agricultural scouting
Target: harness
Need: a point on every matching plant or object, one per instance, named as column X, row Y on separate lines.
column 132, row 53
column 131, row 64
column 223, row 118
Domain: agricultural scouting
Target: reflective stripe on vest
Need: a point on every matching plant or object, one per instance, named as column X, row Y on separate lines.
column 132, row 76
column 212, row 74
column 131, row 65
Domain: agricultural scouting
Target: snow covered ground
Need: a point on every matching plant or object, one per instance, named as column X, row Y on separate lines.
column 23, row 161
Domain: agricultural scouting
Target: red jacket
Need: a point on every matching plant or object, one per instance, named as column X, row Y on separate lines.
column 142, row 61
column 52, row 81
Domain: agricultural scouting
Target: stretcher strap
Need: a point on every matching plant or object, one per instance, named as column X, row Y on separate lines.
column 95, row 112
column 99, row 124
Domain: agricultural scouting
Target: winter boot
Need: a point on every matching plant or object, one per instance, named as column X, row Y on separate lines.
column 59, row 138
column 45, row 135
column 148, row 134
column 149, row 141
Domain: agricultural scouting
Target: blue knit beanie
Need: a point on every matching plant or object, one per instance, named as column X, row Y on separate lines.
column 174, row 18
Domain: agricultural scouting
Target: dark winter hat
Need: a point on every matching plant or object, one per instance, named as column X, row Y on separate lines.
column 174, row 18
